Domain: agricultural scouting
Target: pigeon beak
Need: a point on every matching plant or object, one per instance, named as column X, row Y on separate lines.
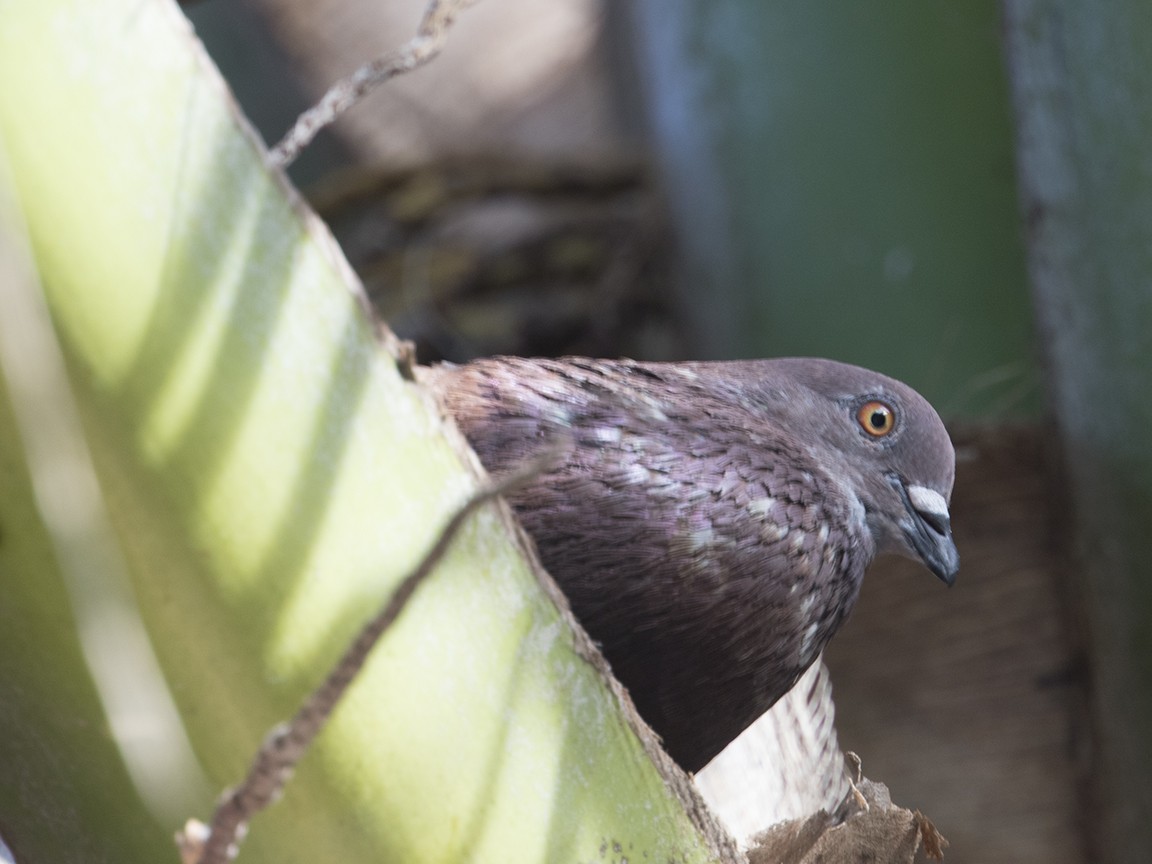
column 930, row 532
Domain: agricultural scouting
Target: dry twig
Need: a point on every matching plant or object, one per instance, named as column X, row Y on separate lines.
column 286, row 743
column 426, row 44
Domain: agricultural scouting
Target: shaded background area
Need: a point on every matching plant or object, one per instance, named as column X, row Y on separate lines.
column 684, row 178
column 863, row 209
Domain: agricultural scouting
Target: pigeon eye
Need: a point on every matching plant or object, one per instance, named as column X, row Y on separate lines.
column 876, row 418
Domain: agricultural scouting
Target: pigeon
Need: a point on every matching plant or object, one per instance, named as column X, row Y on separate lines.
column 710, row 522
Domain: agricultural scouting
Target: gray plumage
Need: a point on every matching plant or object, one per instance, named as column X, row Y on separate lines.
column 710, row 523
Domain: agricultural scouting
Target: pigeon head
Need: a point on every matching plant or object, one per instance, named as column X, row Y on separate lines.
column 888, row 442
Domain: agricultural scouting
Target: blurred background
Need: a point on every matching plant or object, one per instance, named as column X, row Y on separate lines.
column 954, row 194
column 669, row 180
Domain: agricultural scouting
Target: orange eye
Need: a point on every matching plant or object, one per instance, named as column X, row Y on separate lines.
column 876, row 418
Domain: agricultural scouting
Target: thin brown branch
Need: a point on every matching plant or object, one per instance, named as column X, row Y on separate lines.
column 287, row 743
column 425, row 45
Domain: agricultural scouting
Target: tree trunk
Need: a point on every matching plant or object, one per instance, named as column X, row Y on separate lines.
column 1080, row 76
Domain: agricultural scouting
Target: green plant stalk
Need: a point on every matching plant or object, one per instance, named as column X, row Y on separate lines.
column 270, row 477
